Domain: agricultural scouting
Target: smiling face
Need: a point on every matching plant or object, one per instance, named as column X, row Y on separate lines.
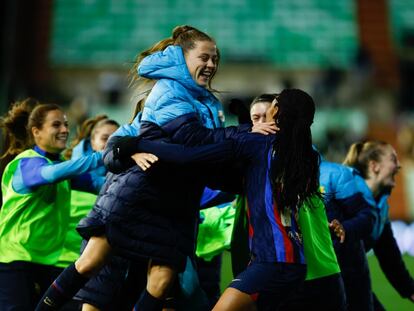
column 202, row 62
column 53, row 135
column 387, row 168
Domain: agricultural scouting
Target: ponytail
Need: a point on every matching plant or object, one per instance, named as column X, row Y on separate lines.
column 15, row 127
column 351, row 158
column 360, row 153
column 17, row 138
column 133, row 72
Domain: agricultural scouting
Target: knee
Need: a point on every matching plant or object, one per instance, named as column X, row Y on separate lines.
column 88, row 307
column 88, row 267
column 160, row 280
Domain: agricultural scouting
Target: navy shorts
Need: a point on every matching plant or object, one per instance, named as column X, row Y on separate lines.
column 117, row 286
column 269, row 283
column 324, row 294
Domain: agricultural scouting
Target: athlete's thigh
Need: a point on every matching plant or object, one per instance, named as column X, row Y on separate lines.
column 233, row 299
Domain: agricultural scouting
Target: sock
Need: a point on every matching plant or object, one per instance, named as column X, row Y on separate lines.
column 67, row 284
column 147, row 302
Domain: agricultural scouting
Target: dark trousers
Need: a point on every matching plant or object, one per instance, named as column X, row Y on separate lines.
column 209, row 273
column 117, row 286
column 270, row 283
column 22, row 284
column 355, row 272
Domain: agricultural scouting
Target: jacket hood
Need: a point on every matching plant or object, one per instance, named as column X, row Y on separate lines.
column 170, row 64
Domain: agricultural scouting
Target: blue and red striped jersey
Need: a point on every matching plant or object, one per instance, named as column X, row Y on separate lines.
column 273, row 236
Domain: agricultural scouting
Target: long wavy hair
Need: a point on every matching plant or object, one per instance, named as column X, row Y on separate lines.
column 295, row 169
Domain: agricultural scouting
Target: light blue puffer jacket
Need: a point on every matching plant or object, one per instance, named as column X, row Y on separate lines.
column 176, row 93
column 345, row 202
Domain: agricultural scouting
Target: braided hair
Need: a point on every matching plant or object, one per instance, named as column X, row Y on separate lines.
column 295, row 171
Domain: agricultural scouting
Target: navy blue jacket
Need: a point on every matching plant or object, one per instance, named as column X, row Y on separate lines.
column 154, row 214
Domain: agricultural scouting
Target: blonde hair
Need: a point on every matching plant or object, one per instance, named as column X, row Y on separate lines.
column 360, row 153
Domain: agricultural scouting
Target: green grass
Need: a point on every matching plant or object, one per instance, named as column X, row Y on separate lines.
column 384, row 291
column 226, row 274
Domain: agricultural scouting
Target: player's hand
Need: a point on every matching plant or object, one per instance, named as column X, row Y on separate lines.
column 144, row 160
column 338, row 229
column 411, row 298
column 265, row 128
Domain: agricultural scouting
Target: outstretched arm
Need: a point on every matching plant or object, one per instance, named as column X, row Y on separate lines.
column 188, row 130
column 88, row 182
column 392, row 264
column 36, row 171
column 180, row 154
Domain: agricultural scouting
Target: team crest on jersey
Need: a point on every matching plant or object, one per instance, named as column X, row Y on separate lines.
column 286, row 220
